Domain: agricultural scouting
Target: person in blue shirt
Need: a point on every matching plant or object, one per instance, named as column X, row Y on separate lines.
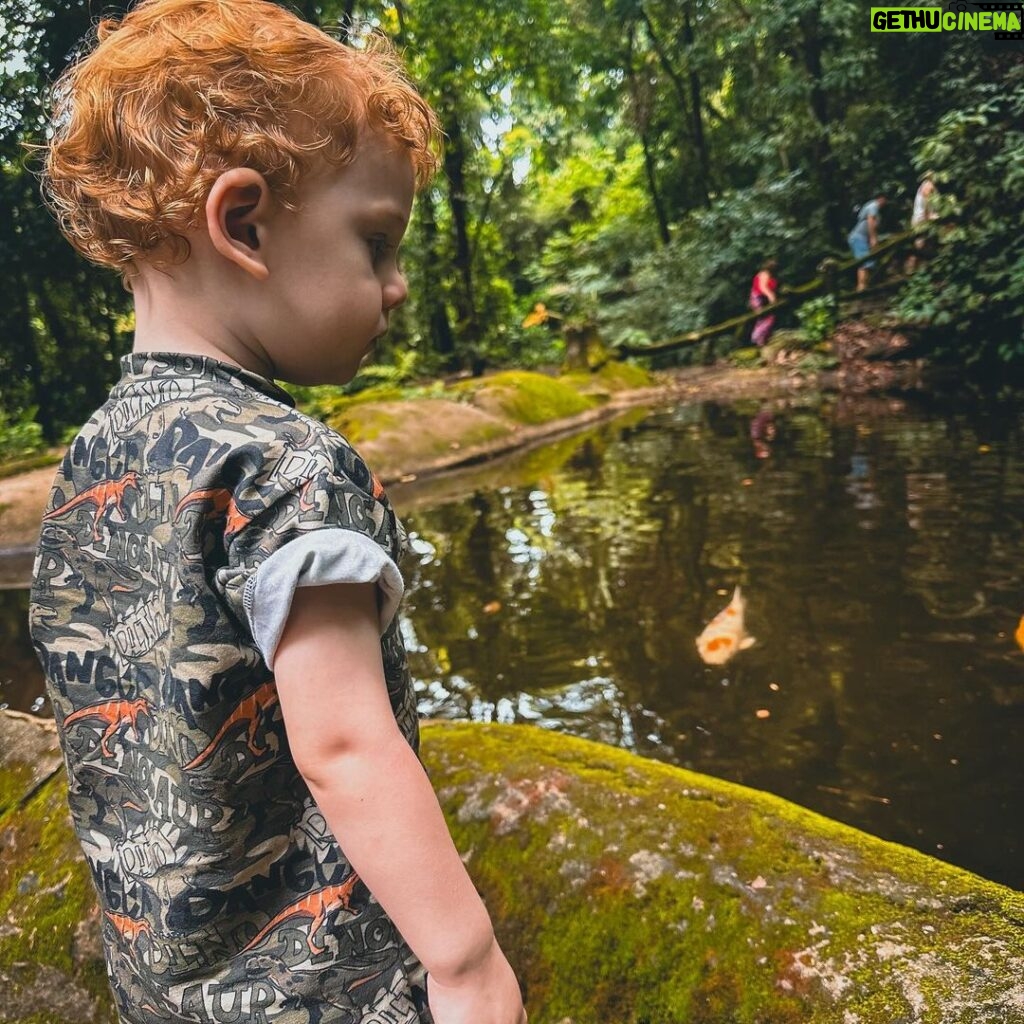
column 864, row 236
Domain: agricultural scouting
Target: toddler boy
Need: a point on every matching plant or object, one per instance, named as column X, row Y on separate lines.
column 215, row 592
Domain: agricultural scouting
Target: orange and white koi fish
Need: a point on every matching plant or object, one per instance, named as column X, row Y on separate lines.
column 726, row 633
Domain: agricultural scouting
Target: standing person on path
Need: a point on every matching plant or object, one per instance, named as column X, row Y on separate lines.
column 924, row 202
column 764, row 292
column 923, row 212
column 864, row 236
column 231, row 689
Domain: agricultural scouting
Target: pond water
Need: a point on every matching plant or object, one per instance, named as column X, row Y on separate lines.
column 879, row 547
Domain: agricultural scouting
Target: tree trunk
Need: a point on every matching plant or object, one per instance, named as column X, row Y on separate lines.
column 455, row 170
column 696, row 106
column 442, row 341
column 641, row 107
column 683, row 93
column 811, row 49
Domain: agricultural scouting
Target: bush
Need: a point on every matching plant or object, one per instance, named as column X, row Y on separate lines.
column 818, row 319
column 20, row 437
column 972, row 292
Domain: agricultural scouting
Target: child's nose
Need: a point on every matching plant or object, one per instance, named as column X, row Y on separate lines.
column 396, row 291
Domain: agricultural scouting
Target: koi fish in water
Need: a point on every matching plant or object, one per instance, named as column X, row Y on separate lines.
column 726, row 633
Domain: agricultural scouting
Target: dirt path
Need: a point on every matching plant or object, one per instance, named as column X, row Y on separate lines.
column 22, row 499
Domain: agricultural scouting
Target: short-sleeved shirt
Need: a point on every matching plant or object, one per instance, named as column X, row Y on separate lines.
column 182, row 518
column 923, row 206
column 860, row 229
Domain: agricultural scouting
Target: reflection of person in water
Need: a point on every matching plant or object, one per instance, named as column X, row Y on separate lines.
column 762, row 432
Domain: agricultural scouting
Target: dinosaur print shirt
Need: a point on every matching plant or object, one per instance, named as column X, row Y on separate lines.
column 182, row 518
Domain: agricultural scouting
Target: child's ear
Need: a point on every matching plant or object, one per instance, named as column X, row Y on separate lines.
column 237, row 210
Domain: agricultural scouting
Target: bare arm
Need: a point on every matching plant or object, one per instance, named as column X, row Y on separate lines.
column 766, row 290
column 872, row 231
column 380, row 805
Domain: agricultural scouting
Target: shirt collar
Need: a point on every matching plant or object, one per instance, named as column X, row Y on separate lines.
column 138, row 366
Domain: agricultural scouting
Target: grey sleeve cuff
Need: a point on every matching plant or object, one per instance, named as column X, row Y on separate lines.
column 314, row 560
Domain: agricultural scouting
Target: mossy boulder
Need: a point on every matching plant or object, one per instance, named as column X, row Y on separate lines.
column 405, row 434
column 51, row 960
column 526, row 397
column 609, row 378
column 631, row 891
column 625, row 891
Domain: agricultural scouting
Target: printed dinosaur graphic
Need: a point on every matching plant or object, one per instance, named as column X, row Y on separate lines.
column 222, row 502
column 117, row 714
column 317, row 905
column 250, row 711
column 129, row 928
column 105, row 495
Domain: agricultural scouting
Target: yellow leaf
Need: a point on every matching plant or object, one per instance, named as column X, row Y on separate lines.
column 538, row 316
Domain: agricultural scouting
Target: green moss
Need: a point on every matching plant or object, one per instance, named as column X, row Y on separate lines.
column 745, row 357
column 630, row 891
column 15, row 780
column 620, row 374
column 612, row 376
column 31, row 462
column 755, row 910
column 526, row 397
column 360, row 422
column 45, row 887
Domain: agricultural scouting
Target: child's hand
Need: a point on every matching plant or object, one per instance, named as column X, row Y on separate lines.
column 489, row 994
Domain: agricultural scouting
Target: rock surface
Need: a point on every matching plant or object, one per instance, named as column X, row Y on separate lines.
column 630, row 891
column 625, row 891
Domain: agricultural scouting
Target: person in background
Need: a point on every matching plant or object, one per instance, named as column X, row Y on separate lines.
column 764, row 292
column 924, row 211
column 864, row 236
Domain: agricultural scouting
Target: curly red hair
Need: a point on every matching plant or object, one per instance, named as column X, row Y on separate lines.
column 181, row 90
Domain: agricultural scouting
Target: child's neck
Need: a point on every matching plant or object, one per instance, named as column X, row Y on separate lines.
column 171, row 316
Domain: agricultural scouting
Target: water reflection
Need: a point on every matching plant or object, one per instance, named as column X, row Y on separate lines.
column 881, row 559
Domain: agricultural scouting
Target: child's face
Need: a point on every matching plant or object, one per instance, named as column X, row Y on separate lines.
column 333, row 265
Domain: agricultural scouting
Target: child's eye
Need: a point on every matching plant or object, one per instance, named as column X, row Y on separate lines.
column 380, row 247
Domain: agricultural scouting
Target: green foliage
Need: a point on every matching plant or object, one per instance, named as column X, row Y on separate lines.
column 21, row 437
column 598, row 223
column 972, row 292
column 746, row 357
column 690, row 283
column 395, row 374
column 629, row 164
column 818, row 318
